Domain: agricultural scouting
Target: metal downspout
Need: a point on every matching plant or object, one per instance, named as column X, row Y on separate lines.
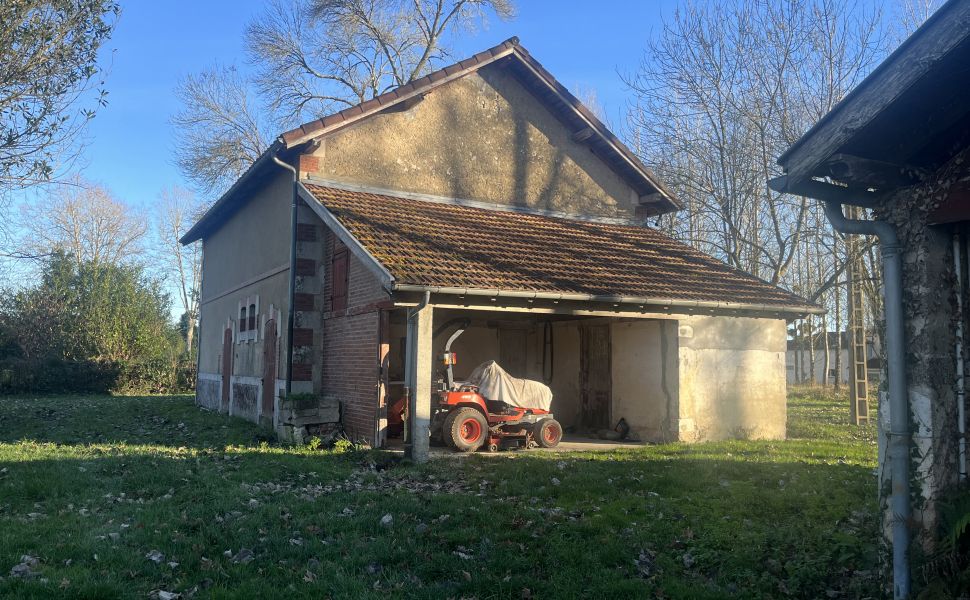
column 292, row 283
column 897, row 452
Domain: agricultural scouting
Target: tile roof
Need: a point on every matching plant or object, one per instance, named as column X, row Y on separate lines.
column 437, row 244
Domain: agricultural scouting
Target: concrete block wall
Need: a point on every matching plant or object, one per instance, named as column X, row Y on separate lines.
column 731, row 378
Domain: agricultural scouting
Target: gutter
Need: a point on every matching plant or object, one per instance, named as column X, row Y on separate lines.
column 629, row 300
column 292, row 275
column 897, row 453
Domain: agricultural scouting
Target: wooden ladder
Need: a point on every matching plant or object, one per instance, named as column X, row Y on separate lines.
column 858, row 376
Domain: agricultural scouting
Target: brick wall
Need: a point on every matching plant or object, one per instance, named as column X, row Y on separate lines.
column 351, row 368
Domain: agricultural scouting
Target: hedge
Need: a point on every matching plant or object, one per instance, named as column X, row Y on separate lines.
column 59, row 376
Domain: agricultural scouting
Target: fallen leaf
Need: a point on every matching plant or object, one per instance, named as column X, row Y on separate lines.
column 244, row 556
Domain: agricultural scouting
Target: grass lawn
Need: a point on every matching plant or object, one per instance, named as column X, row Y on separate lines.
column 122, row 497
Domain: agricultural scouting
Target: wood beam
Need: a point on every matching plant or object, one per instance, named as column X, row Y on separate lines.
column 821, row 190
column 583, row 134
column 869, row 173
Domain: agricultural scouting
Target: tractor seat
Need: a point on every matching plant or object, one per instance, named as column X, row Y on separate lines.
column 497, row 407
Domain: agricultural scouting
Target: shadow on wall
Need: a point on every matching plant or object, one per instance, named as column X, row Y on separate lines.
column 541, row 150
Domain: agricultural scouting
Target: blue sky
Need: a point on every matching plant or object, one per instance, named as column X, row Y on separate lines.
column 155, row 44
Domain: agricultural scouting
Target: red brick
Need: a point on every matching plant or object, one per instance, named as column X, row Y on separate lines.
column 306, row 232
column 302, row 336
column 303, row 301
column 309, row 164
column 306, row 266
column 302, row 372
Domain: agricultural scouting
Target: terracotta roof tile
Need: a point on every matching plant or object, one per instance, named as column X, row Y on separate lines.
column 447, row 245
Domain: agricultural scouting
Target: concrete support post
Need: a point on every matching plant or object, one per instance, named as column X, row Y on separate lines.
column 418, row 381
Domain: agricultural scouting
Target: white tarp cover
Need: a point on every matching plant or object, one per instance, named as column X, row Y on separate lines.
column 495, row 384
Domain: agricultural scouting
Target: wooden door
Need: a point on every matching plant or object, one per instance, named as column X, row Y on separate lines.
column 511, row 351
column 383, row 358
column 226, row 369
column 595, row 380
column 269, row 368
column 338, row 290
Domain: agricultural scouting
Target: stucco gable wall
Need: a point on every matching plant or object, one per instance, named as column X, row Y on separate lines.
column 247, row 256
column 481, row 137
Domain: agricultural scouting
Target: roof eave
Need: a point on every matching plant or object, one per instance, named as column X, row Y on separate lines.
column 666, row 304
column 197, row 231
column 509, row 48
column 941, row 32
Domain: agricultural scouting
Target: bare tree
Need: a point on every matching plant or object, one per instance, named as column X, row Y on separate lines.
column 85, row 221
column 219, row 131
column 312, row 57
column 912, row 13
column 722, row 92
column 178, row 209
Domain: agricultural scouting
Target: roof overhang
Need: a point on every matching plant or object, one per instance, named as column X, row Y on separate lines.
column 565, row 303
column 654, row 197
column 900, row 123
column 226, row 205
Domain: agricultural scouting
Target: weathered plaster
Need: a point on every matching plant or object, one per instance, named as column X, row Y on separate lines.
column 929, row 309
column 481, row 137
column 645, row 385
column 253, row 242
column 732, row 378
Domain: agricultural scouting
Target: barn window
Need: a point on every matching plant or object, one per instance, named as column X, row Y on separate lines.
column 252, row 317
column 242, row 319
column 339, row 270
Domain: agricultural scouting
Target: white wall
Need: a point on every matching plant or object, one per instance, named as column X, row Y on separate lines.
column 732, row 378
column 645, row 386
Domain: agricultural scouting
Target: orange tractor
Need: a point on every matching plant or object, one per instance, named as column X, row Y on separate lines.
column 492, row 409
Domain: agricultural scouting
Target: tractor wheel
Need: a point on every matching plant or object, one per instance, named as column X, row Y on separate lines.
column 548, row 433
column 437, row 427
column 465, row 429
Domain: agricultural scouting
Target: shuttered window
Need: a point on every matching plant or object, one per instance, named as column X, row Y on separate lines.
column 338, row 296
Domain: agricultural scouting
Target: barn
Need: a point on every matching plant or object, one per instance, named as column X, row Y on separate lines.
column 483, row 195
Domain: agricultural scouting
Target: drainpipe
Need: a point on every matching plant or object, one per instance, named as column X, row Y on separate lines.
column 961, row 383
column 292, row 284
column 898, row 444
